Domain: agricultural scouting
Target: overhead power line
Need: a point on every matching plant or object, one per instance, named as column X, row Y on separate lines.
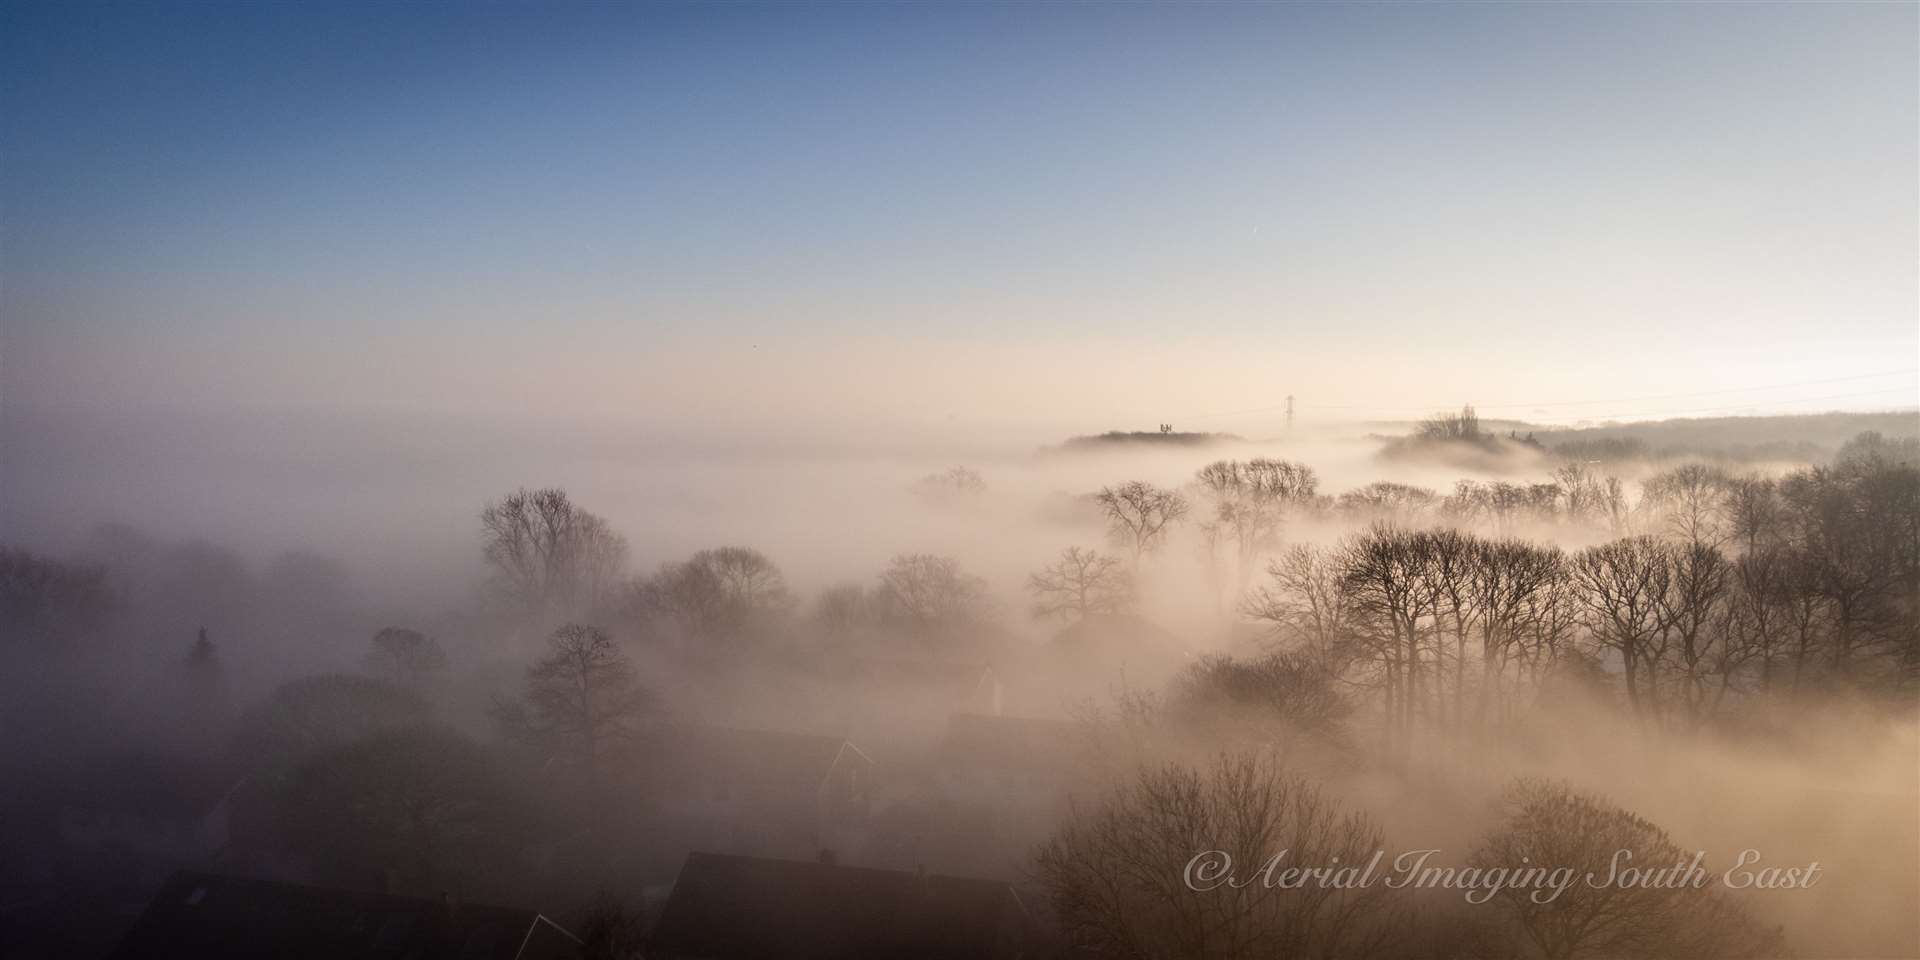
column 1737, row 406
column 1451, row 404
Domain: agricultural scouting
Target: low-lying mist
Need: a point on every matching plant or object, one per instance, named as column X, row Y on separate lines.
column 257, row 603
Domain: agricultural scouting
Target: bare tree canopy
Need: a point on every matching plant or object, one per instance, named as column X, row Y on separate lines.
column 581, row 700
column 549, row 556
column 1117, row 873
column 1141, row 515
column 1249, row 501
column 1304, row 603
column 1452, row 427
column 1395, row 503
column 953, row 486
column 1623, row 587
column 1692, row 503
column 1275, row 698
column 726, row 595
column 1550, row 825
column 845, row 610
column 922, row 589
column 1080, row 584
column 1872, row 449
column 407, row 656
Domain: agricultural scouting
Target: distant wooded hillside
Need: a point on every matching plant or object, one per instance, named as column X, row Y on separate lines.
column 1115, row 437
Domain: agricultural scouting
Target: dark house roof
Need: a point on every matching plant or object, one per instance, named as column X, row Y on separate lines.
column 201, row 915
column 746, row 907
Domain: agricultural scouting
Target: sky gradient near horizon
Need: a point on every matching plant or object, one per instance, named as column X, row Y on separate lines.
column 746, row 217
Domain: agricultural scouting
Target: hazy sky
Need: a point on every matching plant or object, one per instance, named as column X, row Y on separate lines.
column 752, row 218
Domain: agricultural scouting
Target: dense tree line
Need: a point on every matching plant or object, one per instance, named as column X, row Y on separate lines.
column 1746, row 586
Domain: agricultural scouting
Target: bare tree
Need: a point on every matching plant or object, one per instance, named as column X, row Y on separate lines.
column 929, row 592
column 1856, row 527
column 1513, row 584
column 1499, row 507
column 581, row 700
column 1451, row 562
column 1798, row 594
column 1623, row 587
column 1591, row 499
column 724, row 595
column 1452, row 427
column 548, row 555
column 1580, row 490
column 1873, row 450
column 1237, row 513
column 1276, row 699
column 1395, row 503
column 1754, row 512
column 950, row 487
column 408, row 657
column 1551, row 623
column 1694, row 604
column 1619, row 511
column 1249, row 501
column 1304, row 603
column 1080, row 584
column 1140, row 515
column 1757, row 619
column 1384, row 577
column 1549, row 825
column 1118, row 878
column 1692, row 502
column 845, row 610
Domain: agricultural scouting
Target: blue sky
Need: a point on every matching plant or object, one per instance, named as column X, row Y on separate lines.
column 954, row 210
